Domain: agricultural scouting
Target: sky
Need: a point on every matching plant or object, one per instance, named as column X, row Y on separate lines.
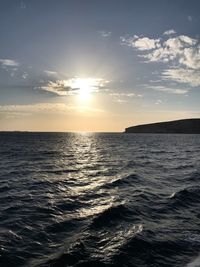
column 98, row 65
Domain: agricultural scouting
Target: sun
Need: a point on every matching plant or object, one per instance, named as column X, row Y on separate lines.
column 86, row 86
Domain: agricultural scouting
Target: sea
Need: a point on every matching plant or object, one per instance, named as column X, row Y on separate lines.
column 99, row 200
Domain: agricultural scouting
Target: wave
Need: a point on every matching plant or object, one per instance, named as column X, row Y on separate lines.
column 63, row 226
column 186, row 196
column 4, row 188
column 194, row 263
column 193, row 238
column 129, row 179
column 82, row 252
column 144, row 247
column 111, row 215
column 184, row 166
column 75, row 253
column 195, row 176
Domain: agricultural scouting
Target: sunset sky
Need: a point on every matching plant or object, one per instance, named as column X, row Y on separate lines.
column 98, row 65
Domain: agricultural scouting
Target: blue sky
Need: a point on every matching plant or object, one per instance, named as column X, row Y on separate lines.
column 97, row 65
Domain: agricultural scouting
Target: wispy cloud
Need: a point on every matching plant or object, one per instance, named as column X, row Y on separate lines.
column 123, row 94
column 159, row 102
column 169, row 32
column 50, row 72
column 33, row 108
column 182, row 75
column 59, row 87
column 120, row 101
column 74, row 85
column 9, row 63
column 126, row 95
column 123, row 97
column 167, row 89
column 105, row 33
column 27, row 109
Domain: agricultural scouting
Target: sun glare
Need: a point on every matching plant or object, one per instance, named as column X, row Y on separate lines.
column 86, row 86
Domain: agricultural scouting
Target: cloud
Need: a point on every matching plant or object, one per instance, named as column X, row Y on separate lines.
column 178, row 42
column 181, row 51
column 186, row 76
column 184, row 49
column 73, row 86
column 167, row 89
column 10, row 66
column 50, row 72
column 28, row 109
column 146, row 43
column 189, row 18
column 158, row 102
column 142, row 44
column 120, row 101
column 17, row 111
column 25, row 75
column 105, row 33
column 59, row 87
column 125, row 95
column 169, row 32
column 9, row 63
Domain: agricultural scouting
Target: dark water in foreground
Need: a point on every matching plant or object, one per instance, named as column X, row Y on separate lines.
column 99, row 200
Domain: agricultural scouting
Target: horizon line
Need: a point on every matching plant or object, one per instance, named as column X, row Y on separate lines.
column 29, row 131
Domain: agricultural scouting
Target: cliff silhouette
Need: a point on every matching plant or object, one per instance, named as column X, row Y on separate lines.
column 186, row 126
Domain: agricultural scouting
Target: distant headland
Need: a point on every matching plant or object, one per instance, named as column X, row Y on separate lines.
column 186, row 126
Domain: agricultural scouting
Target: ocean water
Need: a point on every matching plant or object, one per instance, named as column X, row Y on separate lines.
column 105, row 200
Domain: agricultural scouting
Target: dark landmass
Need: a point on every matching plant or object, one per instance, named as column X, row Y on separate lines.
column 187, row 126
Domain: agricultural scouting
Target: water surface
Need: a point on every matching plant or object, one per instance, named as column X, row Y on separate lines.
column 69, row 199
